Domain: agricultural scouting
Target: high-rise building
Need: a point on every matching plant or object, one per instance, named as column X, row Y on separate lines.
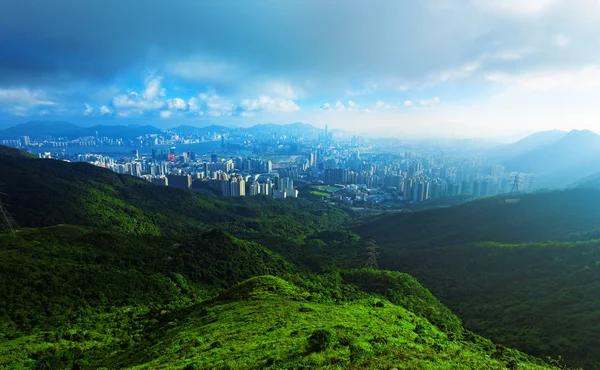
column 180, row 181
column 213, row 158
column 160, row 181
column 25, row 140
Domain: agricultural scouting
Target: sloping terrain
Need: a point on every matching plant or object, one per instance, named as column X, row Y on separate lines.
column 523, row 274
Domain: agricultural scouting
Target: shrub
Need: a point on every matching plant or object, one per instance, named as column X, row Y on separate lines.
column 320, row 340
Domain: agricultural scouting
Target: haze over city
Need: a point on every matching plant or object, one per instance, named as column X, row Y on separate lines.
column 437, row 68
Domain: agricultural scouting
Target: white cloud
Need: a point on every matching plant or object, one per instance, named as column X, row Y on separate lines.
column 587, row 78
column 464, row 71
column 269, row 104
column 165, row 114
column 284, row 90
column 177, row 104
column 338, row 106
column 153, row 89
column 427, row 103
column 351, row 103
column 515, row 7
column 408, row 103
column 104, row 110
column 24, row 97
column 383, row 105
column 88, row 110
column 149, row 100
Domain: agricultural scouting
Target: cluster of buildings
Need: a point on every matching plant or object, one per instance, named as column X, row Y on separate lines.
column 360, row 170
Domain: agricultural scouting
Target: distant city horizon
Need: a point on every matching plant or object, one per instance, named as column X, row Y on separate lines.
column 504, row 138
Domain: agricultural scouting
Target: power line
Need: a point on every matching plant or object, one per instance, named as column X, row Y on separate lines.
column 7, row 222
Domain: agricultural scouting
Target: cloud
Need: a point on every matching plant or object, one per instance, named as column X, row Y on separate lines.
column 149, row 100
column 351, row 103
column 284, row 90
column 165, row 114
column 105, row 111
column 427, row 103
column 515, row 7
column 585, row 78
column 153, row 89
column 383, row 105
column 338, row 106
column 88, row 110
column 268, row 104
column 408, row 103
column 24, row 97
column 177, row 104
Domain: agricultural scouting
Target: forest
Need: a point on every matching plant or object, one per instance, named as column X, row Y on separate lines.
column 108, row 271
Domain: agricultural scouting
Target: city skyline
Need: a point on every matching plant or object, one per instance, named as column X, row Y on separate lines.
column 442, row 69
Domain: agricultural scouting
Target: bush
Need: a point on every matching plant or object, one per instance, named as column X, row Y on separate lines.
column 320, row 340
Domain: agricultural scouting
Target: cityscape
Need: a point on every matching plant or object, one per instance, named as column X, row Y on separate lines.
column 312, row 163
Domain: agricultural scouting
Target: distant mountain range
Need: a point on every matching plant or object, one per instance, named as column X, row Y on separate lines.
column 39, row 129
column 531, row 142
column 558, row 162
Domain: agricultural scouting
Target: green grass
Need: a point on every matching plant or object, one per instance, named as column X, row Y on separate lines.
column 273, row 324
column 319, row 193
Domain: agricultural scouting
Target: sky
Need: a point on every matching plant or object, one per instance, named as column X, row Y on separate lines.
column 444, row 68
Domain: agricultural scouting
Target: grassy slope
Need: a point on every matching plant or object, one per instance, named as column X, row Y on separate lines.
column 539, row 297
column 267, row 322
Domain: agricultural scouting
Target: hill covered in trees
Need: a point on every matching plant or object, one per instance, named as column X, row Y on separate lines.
column 522, row 271
column 109, row 271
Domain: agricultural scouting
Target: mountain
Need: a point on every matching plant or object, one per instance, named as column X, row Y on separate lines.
column 522, row 272
column 527, row 144
column 38, row 129
column 113, row 272
column 560, row 164
column 43, row 128
column 189, row 130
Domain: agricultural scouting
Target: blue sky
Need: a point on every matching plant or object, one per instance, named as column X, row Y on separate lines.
column 414, row 68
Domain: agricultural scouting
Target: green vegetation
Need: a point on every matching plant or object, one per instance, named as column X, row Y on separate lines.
column 113, row 272
column 491, row 263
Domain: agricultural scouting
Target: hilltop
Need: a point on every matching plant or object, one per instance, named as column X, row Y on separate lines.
column 526, row 144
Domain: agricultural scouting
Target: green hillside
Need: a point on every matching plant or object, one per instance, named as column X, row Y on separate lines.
column 558, row 215
column 44, row 192
column 523, row 274
column 266, row 322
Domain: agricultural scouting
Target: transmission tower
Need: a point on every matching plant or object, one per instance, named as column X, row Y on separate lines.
column 7, row 223
column 516, row 186
column 372, row 255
